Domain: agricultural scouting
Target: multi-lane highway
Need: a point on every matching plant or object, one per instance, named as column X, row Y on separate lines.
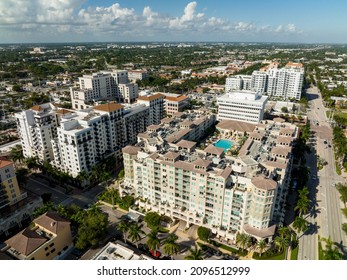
column 326, row 213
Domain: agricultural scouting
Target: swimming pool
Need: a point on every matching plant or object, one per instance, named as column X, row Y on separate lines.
column 224, row 144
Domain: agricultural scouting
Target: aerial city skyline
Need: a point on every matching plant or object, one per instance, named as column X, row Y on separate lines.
column 107, row 21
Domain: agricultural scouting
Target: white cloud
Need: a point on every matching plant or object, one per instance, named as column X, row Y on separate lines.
column 60, row 18
column 189, row 17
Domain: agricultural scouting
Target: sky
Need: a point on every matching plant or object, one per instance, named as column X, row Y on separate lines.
column 287, row 21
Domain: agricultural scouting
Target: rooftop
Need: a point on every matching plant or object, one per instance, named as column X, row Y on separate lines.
column 25, row 242
column 52, row 222
column 109, row 107
column 236, row 126
column 119, row 251
column 4, row 163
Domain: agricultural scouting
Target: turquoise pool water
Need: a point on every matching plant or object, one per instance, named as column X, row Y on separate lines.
column 224, row 144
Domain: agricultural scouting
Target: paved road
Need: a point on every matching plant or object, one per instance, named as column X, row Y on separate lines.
column 40, row 186
column 327, row 212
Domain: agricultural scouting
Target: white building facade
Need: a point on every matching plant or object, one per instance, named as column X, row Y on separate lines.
column 245, row 106
column 75, row 141
column 107, row 86
column 283, row 83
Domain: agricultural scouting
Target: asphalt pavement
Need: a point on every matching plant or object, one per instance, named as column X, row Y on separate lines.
column 325, row 216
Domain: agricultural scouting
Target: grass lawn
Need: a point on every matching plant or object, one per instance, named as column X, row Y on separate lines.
column 294, row 253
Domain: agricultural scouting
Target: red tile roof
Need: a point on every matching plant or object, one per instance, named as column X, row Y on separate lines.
column 109, row 107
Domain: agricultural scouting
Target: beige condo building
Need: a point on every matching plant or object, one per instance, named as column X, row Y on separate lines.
column 209, row 187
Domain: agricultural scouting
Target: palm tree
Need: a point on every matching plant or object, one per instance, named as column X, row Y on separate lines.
column 170, row 245
column 16, row 154
column 243, row 240
column 32, row 163
column 261, row 245
column 22, row 176
column 195, row 254
column 304, row 192
column 82, row 177
column 281, row 242
column 284, row 231
column 124, row 228
column 153, row 241
column 135, row 232
column 300, row 224
column 331, row 252
column 302, row 205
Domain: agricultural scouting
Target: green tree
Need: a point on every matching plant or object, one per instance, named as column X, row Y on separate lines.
column 33, row 163
column 302, row 205
column 49, row 206
column 300, row 224
column 22, row 176
column 203, row 233
column 344, row 228
column 92, row 229
column 152, row 220
column 121, row 174
column 124, row 227
column 195, row 254
column 261, row 246
column 153, row 241
column 284, row 110
column 331, row 252
column 16, row 154
column 243, row 240
column 135, row 233
column 343, row 192
column 281, row 242
column 170, row 246
column 344, row 212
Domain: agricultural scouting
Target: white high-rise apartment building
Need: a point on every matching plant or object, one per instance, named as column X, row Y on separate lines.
column 285, row 83
column 36, row 127
column 259, row 81
column 103, row 86
column 135, row 75
column 229, row 195
column 75, row 141
column 156, row 103
column 243, row 105
column 238, row 82
column 127, row 93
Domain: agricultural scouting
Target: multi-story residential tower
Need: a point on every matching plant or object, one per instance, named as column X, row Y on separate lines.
column 127, row 93
column 9, row 189
column 285, row 83
column 156, row 104
column 105, row 86
column 83, row 138
column 208, row 188
column 36, row 127
column 259, row 81
column 135, row 75
column 174, row 103
column 245, row 106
